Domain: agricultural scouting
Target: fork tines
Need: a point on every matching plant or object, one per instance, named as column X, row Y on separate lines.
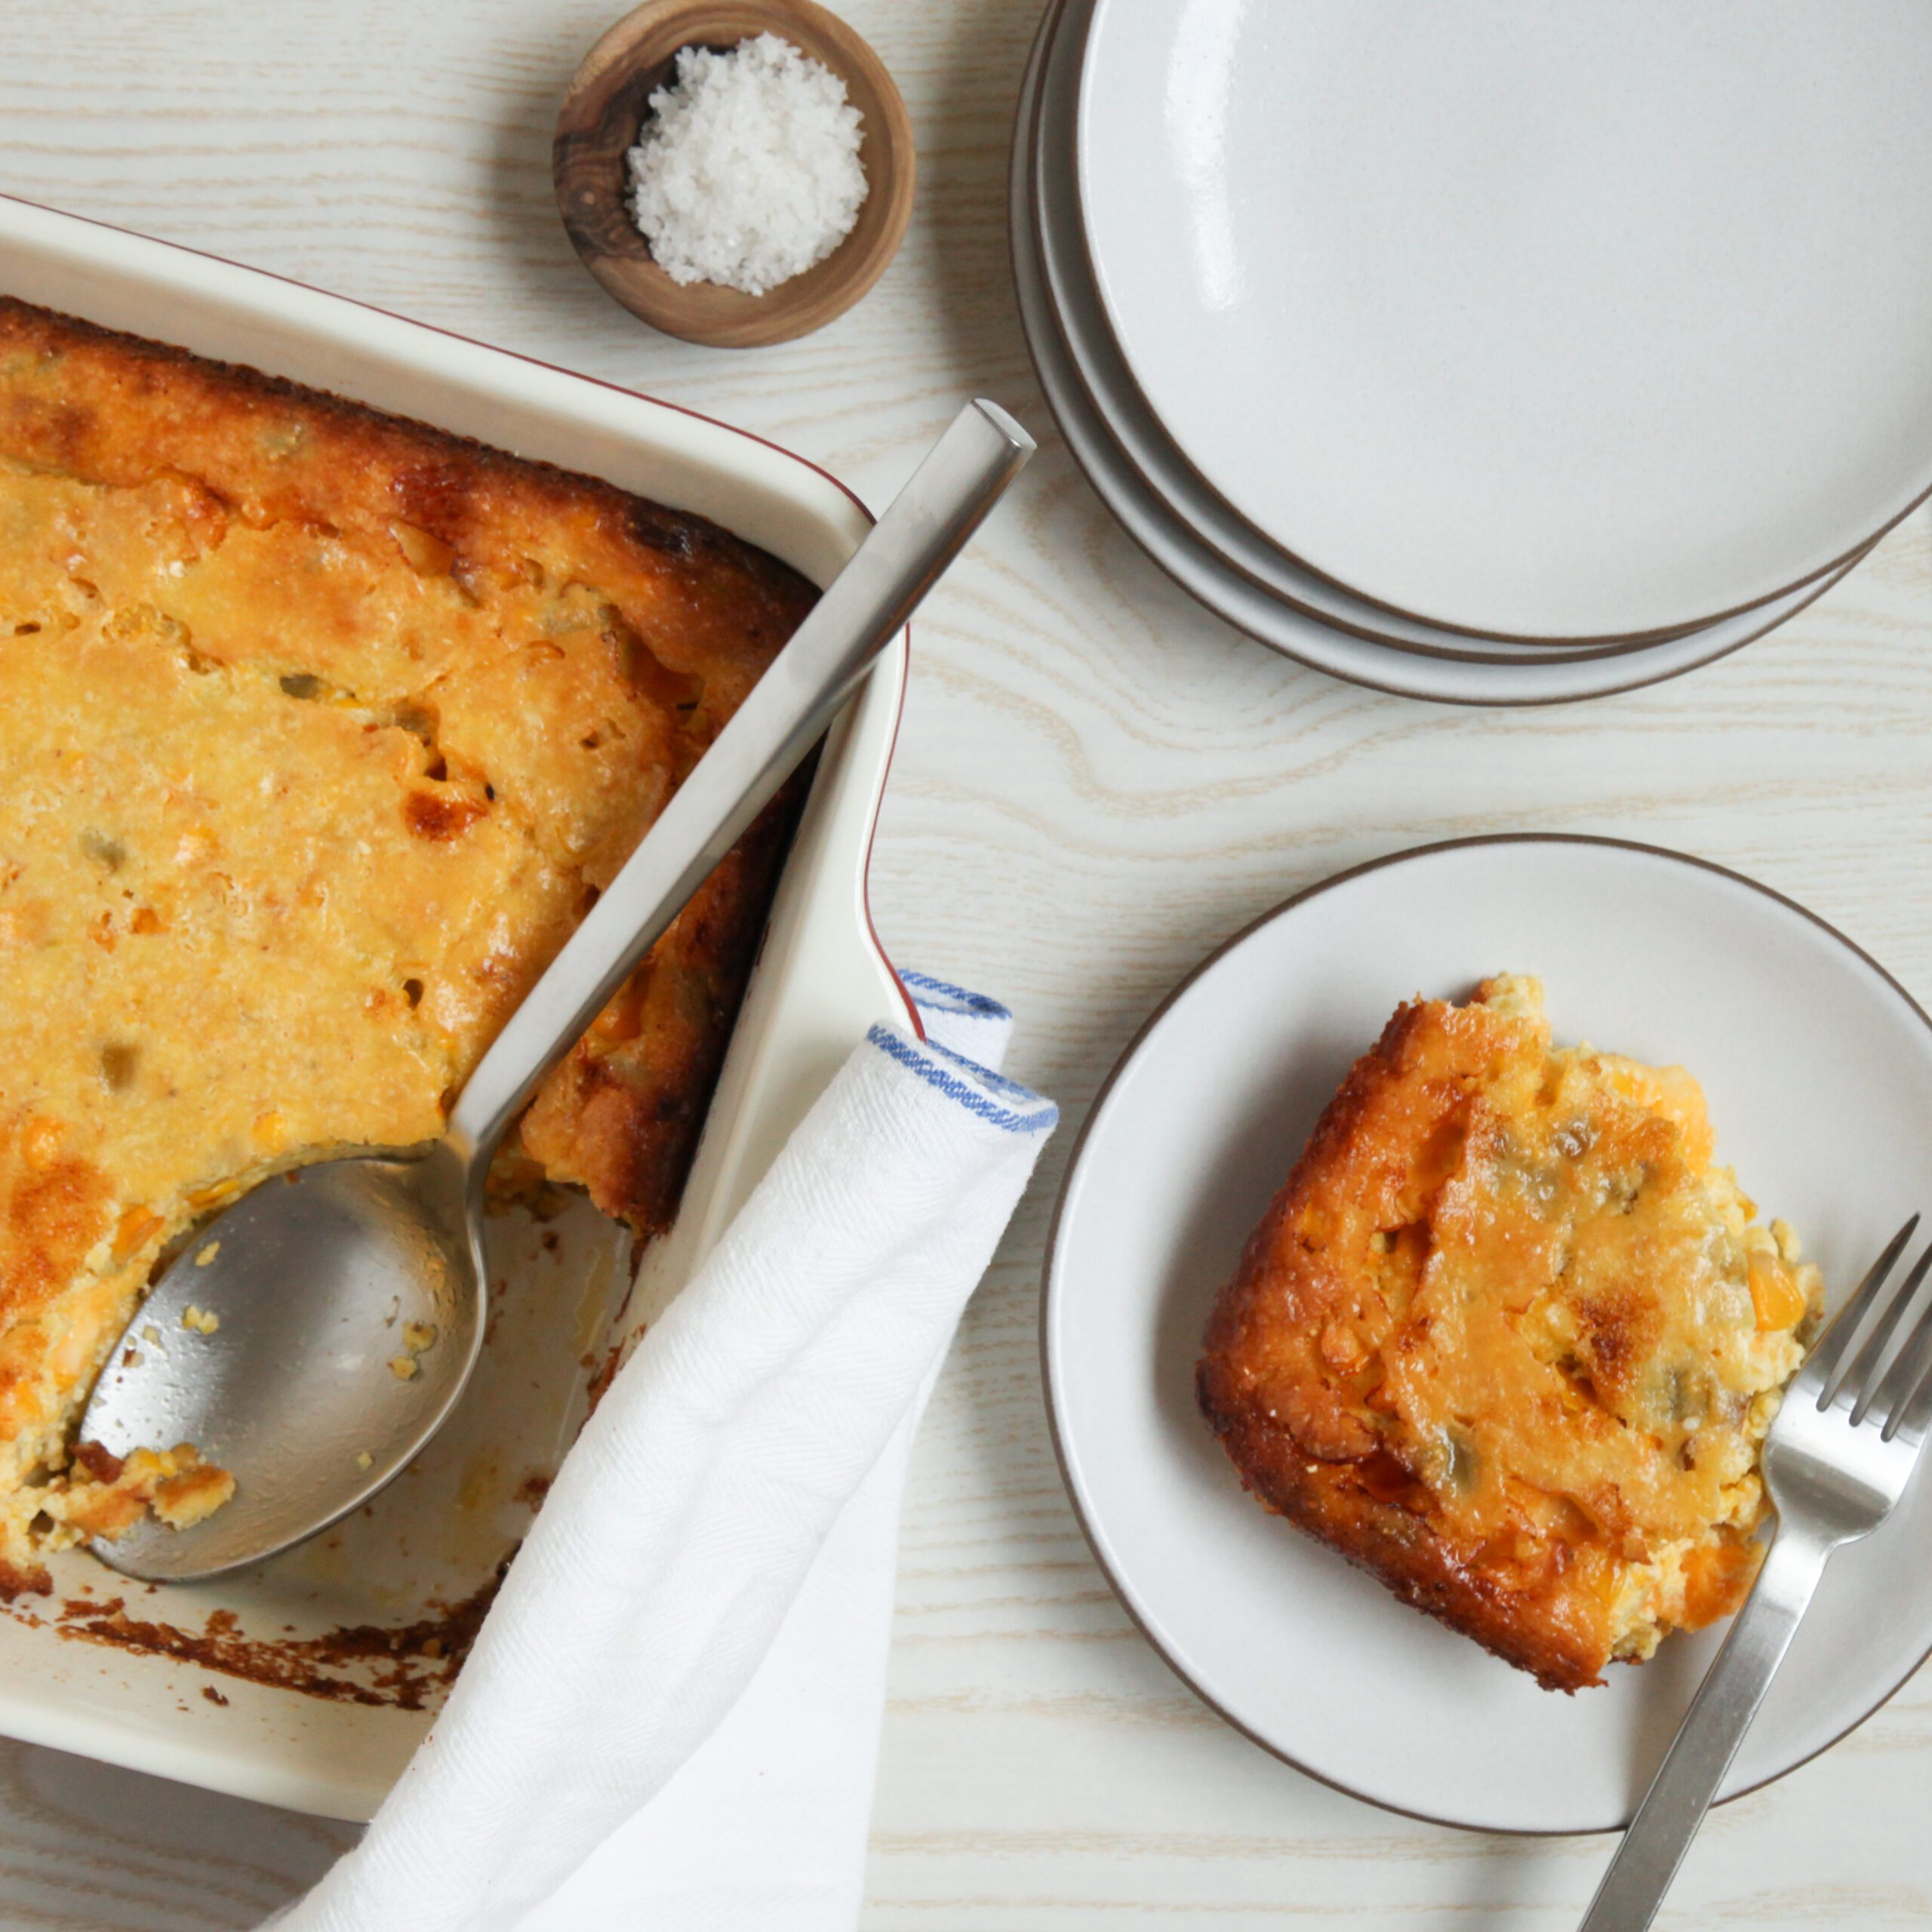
column 1902, row 1400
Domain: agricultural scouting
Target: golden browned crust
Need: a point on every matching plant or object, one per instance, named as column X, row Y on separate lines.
column 1299, row 1443
column 117, row 409
column 320, row 730
column 708, row 611
column 1459, row 1348
column 622, row 1115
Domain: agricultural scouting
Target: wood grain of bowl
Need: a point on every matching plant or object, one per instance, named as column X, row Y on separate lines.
column 608, row 104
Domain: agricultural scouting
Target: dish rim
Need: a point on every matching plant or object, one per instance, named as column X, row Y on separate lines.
column 128, row 1718
column 1825, row 572
column 1050, row 1270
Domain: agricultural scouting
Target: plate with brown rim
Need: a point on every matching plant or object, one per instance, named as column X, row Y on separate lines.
column 1527, row 676
column 1817, row 1066
column 1551, row 323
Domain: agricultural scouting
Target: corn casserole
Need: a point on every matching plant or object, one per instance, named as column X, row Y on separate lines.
column 320, row 730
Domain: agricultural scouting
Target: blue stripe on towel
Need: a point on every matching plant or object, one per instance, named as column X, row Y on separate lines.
column 1041, row 1117
column 998, row 1082
column 926, row 991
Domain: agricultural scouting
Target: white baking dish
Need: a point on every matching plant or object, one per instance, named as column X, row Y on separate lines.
column 566, row 1295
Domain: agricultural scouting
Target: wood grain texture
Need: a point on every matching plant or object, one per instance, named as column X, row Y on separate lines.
column 1096, row 782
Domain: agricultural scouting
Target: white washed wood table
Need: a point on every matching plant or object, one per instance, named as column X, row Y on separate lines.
column 1096, row 783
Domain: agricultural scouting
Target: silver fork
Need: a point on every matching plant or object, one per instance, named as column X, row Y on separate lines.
column 1837, row 1461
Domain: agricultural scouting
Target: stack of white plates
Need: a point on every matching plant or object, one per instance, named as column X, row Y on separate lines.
column 1486, row 351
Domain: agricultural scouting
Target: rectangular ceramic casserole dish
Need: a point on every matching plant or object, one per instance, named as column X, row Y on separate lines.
column 341, row 1649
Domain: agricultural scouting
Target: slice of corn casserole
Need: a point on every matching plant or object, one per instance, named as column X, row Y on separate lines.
column 1510, row 1341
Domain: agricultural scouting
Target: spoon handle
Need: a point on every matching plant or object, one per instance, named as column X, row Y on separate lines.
column 925, row 527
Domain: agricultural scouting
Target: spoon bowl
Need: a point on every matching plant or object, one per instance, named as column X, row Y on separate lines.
column 369, row 1273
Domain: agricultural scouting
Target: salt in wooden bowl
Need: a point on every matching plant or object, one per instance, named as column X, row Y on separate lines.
column 607, row 104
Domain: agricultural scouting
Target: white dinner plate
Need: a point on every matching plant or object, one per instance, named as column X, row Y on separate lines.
column 1527, row 677
column 1818, row 1069
column 1558, row 322
column 1081, row 321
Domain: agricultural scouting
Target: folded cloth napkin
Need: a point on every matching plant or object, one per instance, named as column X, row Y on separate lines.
column 671, row 1715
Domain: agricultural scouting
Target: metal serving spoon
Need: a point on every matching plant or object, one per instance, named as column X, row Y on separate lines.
column 318, row 1382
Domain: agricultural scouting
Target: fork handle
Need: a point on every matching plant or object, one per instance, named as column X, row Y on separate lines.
column 1720, row 1714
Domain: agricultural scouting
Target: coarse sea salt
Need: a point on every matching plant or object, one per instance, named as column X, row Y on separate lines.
column 748, row 171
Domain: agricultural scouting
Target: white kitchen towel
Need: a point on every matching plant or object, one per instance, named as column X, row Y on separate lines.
column 670, row 1718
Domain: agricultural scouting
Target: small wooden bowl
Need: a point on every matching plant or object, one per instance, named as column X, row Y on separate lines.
column 607, row 105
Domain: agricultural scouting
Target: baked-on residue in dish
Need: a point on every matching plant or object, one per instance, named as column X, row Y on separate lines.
column 1508, row 1339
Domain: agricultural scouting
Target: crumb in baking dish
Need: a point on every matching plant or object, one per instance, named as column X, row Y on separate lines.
column 1511, row 1340
column 320, row 730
